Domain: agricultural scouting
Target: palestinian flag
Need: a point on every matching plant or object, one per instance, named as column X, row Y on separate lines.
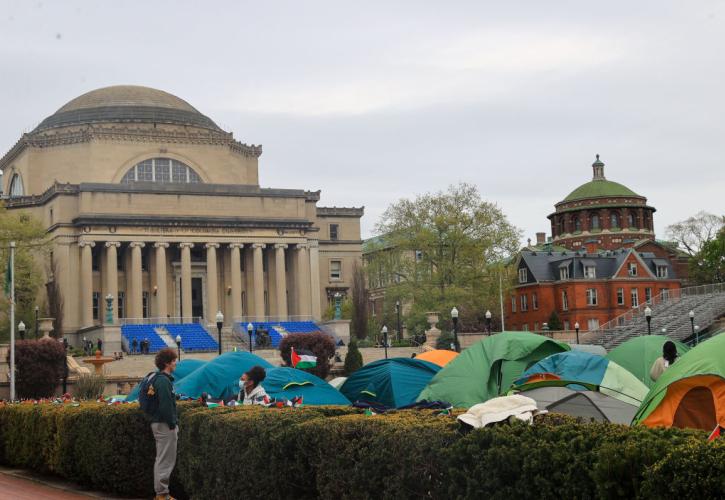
column 303, row 360
column 715, row 434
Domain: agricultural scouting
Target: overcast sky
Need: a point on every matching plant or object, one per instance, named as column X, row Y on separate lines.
column 374, row 101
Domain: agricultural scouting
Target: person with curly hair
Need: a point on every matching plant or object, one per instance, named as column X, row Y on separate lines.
column 251, row 391
column 164, row 422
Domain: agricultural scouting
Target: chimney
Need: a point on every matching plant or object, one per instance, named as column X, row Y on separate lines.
column 540, row 238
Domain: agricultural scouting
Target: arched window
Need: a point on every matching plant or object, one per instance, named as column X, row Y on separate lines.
column 577, row 223
column 163, row 171
column 16, row 186
column 595, row 221
column 614, row 221
column 630, row 220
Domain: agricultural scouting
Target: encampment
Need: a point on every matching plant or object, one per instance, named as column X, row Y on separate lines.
column 488, row 368
column 639, row 353
column 691, row 392
column 440, row 357
column 284, row 382
column 393, row 382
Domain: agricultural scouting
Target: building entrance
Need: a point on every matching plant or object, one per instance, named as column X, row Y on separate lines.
column 197, row 302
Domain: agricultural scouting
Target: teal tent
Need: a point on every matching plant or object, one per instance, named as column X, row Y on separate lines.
column 288, row 383
column 183, row 368
column 488, row 368
column 393, row 382
column 219, row 377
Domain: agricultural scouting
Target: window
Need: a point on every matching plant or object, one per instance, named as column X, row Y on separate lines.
column 595, row 221
column 162, row 171
column 635, row 297
column 418, row 255
column 593, row 323
column 564, row 273
column 590, row 272
column 96, row 303
column 523, row 275
column 632, row 269
column 620, row 296
column 334, row 229
column 630, row 220
column 51, row 215
column 513, row 304
column 591, row 296
column 536, row 326
column 16, row 186
column 614, row 221
column 661, row 271
column 665, row 293
column 145, row 304
column 648, row 295
column 335, row 270
column 577, row 224
column 524, row 303
column 566, row 325
column 525, row 327
column 534, row 301
column 121, row 304
column 564, row 301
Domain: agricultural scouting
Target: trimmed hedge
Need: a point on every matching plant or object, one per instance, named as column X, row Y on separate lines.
column 338, row 452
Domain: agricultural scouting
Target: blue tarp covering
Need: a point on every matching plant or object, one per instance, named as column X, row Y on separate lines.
column 393, row 382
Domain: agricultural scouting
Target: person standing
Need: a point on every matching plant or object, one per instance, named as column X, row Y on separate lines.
column 134, row 345
column 164, row 422
column 100, row 345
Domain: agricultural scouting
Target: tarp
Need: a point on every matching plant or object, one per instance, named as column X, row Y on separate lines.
column 393, row 382
column 586, row 404
column 488, row 368
column 440, row 357
column 691, row 392
column 580, row 370
column 284, row 382
column 183, row 368
column 219, row 377
column 639, row 354
column 337, row 382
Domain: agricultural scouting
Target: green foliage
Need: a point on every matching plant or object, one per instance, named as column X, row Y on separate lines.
column 353, row 359
column 320, row 344
column 346, row 308
column 445, row 341
column 39, row 365
column 359, row 313
column 708, row 265
column 554, row 323
column 89, row 386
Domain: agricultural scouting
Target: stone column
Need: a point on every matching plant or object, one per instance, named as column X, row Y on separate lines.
column 186, row 280
column 86, row 283
column 280, row 280
column 135, row 299
column 162, row 298
column 258, row 276
column 212, row 287
column 112, row 275
column 303, row 279
column 315, row 280
column 236, row 270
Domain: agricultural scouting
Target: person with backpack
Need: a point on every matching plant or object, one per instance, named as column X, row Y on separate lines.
column 158, row 401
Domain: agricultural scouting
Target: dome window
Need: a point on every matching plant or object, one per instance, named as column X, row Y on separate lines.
column 16, row 186
column 162, row 171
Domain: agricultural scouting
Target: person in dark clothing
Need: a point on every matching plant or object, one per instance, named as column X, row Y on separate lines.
column 100, row 345
column 134, row 345
column 164, row 422
column 146, row 345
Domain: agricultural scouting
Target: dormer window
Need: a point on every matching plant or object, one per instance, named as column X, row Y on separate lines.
column 590, row 271
column 632, row 269
column 523, row 275
column 661, row 271
column 564, row 273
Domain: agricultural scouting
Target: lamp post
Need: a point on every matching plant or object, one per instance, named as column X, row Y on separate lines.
column 219, row 324
column 384, row 331
column 454, row 317
column 488, row 321
column 250, row 328
column 397, row 310
column 648, row 317
column 21, row 330
column 691, row 314
column 37, row 313
column 545, row 328
column 178, row 346
column 576, row 327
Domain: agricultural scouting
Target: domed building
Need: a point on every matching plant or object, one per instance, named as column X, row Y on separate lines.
column 601, row 214
column 157, row 214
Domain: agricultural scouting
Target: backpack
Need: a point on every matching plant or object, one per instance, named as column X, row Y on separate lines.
column 147, row 397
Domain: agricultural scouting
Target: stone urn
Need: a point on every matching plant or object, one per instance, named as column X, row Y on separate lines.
column 433, row 333
column 45, row 325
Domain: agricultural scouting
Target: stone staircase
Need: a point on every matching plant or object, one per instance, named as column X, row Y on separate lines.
column 166, row 336
column 670, row 316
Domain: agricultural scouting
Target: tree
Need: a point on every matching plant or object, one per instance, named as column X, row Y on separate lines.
column 359, row 323
column 353, row 359
column 692, row 233
column 554, row 323
column 39, row 365
column 708, row 265
column 441, row 249
column 319, row 344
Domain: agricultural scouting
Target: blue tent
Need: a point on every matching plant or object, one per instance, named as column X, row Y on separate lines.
column 219, row 377
column 183, row 368
column 393, row 382
column 288, row 383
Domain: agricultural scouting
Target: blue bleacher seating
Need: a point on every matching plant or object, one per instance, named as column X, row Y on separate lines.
column 288, row 326
column 140, row 332
column 194, row 337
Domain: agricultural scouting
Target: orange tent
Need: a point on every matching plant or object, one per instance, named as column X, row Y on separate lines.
column 440, row 357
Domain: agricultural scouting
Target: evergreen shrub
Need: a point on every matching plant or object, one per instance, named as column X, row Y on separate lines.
column 353, row 358
column 39, row 367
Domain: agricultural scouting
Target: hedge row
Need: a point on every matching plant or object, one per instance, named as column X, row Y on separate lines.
column 337, row 452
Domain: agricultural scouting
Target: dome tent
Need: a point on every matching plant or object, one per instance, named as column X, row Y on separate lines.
column 219, row 377
column 183, row 368
column 285, row 382
column 393, row 382
column 589, row 405
column 488, row 368
column 639, row 353
column 440, row 357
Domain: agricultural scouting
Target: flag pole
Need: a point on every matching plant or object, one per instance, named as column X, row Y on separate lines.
column 12, row 321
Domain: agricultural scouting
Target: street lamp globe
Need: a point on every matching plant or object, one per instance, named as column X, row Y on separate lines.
column 384, row 330
column 219, row 317
column 454, row 313
column 691, row 314
column 21, row 327
column 576, row 325
column 488, row 314
column 178, row 339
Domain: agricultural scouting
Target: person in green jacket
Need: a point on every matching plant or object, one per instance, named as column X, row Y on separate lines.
column 164, row 422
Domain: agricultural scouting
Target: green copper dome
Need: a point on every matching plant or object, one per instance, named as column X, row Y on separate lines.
column 599, row 189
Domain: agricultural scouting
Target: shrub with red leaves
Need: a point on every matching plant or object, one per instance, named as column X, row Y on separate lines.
column 319, row 344
column 39, row 365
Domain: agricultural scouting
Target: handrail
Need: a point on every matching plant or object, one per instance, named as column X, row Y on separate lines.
column 160, row 321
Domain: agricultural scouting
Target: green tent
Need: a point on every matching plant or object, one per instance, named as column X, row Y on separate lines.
column 638, row 354
column 488, row 368
column 691, row 392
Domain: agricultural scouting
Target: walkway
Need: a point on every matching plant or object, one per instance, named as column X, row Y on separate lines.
column 16, row 484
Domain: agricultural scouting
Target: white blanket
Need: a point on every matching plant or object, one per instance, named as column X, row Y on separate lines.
column 500, row 409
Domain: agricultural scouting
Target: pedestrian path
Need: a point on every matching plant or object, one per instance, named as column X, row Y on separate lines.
column 18, row 484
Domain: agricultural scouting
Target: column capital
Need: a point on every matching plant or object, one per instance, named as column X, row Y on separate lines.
column 139, row 244
column 86, row 243
column 186, row 244
column 113, row 244
column 281, row 245
column 313, row 243
column 259, row 245
column 236, row 245
column 211, row 245
column 161, row 244
column 302, row 246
